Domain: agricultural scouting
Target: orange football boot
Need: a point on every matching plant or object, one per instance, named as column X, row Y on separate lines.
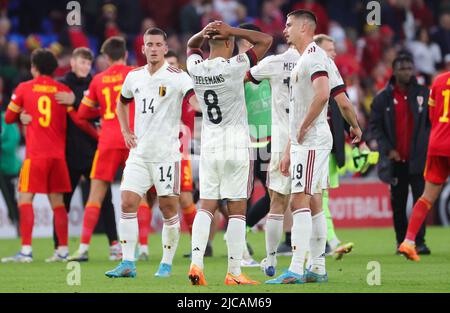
column 196, row 276
column 242, row 279
column 409, row 251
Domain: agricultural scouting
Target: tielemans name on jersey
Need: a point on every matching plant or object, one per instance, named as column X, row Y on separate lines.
column 208, row 80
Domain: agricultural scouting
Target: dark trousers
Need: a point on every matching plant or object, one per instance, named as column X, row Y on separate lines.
column 9, row 194
column 399, row 198
column 107, row 216
column 260, row 209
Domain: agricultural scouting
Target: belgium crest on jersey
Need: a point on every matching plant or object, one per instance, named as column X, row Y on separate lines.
column 162, row 91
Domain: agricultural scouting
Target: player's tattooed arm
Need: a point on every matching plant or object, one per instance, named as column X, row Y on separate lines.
column 349, row 114
column 321, row 96
column 65, row 98
column 123, row 115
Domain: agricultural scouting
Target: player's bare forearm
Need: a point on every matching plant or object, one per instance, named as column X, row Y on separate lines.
column 123, row 113
column 196, row 41
column 261, row 41
column 347, row 110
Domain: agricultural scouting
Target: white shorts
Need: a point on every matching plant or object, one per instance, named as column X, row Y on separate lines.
column 309, row 171
column 226, row 179
column 275, row 180
column 139, row 177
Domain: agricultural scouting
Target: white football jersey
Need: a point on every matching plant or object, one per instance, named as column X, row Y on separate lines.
column 313, row 63
column 277, row 69
column 219, row 86
column 158, row 100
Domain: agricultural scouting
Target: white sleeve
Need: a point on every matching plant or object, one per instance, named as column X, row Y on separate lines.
column 186, row 84
column 127, row 91
column 317, row 64
column 241, row 63
column 263, row 70
column 337, row 84
column 195, row 56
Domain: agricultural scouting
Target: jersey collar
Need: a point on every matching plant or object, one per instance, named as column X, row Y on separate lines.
column 161, row 69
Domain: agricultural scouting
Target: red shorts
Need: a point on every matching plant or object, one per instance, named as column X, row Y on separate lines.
column 44, row 176
column 437, row 169
column 106, row 163
column 187, row 183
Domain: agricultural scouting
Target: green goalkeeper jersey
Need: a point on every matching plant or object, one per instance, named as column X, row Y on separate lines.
column 258, row 99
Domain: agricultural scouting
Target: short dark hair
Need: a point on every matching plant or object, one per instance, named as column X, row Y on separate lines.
column 250, row 26
column 115, row 48
column 156, row 31
column 44, row 61
column 402, row 57
column 304, row 13
column 84, row 53
column 171, row 54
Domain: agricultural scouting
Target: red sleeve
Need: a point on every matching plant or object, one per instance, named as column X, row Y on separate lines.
column 252, row 57
column 82, row 124
column 87, row 113
column 188, row 95
column 90, row 97
column 15, row 106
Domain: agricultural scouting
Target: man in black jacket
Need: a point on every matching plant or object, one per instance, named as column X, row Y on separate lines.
column 80, row 147
column 399, row 122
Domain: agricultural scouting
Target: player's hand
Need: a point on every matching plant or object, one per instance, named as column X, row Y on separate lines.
column 130, row 139
column 220, row 30
column 285, row 164
column 65, row 98
column 25, row 118
column 301, row 134
column 394, row 155
column 356, row 134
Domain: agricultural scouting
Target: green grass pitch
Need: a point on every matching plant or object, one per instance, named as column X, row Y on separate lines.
column 432, row 274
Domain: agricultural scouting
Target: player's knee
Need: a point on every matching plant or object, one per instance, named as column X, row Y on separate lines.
column 129, row 205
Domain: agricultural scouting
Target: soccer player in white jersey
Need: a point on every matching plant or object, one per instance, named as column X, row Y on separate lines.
column 158, row 90
column 225, row 162
column 306, row 156
column 278, row 69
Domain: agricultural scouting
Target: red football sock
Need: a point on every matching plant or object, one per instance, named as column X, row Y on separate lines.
column 144, row 216
column 90, row 219
column 61, row 224
column 420, row 211
column 26, row 223
column 189, row 216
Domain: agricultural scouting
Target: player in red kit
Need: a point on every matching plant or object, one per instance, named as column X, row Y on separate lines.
column 437, row 167
column 101, row 99
column 44, row 169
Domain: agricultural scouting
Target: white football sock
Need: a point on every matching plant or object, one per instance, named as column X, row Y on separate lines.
column 200, row 235
column 274, row 231
column 170, row 237
column 83, row 248
column 128, row 234
column 318, row 243
column 26, row 250
column 300, row 238
column 334, row 243
column 62, row 250
column 235, row 243
column 143, row 249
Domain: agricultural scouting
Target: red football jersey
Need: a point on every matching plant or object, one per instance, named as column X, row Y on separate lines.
column 104, row 91
column 46, row 134
column 439, row 103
